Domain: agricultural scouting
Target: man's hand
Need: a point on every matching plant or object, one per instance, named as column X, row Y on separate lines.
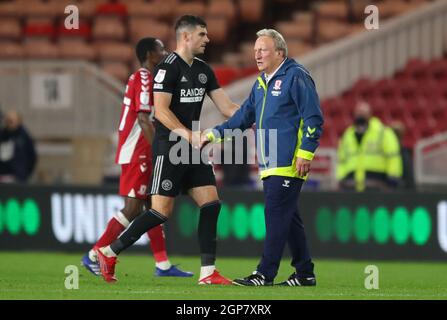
column 302, row 166
column 204, row 139
column 196, row 137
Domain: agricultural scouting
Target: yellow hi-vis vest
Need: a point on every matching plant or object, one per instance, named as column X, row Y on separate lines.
column 378, row 152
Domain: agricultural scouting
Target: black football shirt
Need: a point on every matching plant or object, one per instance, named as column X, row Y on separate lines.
column 188, row 85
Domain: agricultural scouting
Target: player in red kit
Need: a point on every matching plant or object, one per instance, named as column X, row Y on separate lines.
column 134, row 155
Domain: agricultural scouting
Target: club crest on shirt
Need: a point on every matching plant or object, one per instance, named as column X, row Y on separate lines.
column 277, row 85
column 144, row 97
column 166, row 184
column 203, row 78
column 160, row 75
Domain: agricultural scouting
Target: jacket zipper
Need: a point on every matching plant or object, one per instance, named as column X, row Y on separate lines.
column 260, row 120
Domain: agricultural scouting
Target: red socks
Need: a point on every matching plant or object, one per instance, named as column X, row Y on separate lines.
column 157, row 243
column 113, row 230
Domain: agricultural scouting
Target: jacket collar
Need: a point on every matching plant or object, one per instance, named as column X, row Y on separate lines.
column 286, row 64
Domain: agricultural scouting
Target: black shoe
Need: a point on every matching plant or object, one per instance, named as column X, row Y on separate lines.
column 295, row 281
column 253, row 280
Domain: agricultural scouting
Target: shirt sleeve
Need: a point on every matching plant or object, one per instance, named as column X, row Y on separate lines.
column 165, row 79
column 212, row 83
column 305, row 96
column 142, row 91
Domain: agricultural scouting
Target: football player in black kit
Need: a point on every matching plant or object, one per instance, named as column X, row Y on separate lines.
column 180, row 84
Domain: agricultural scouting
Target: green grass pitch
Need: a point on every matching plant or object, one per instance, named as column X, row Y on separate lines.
column 41, row 275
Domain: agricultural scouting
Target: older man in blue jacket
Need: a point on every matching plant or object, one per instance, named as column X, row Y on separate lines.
column 285, row 107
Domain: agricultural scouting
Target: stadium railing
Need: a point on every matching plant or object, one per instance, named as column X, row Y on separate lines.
column 431, row 160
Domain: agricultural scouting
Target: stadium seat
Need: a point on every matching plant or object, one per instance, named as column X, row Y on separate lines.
column 39, row 29
column 84, row 31
column 10, row 28
column 38, row 8
column 10, row 50
column 111, row 9
column 37, row 48
column 297, row 48
column 194, row 8
column 76, row 48
column 11, row 9
column 388, row 88
column 332, row 10
column 108, row 27
column 295, row 30
column 221, row 8
column 438, row 69
column 417, row 69
column 114, row 51
column 380, row 108
column 330, row 30
column 397, row 108
column 250, row 10
column 157, row 9
column 429, row 88
column 87, row 8
column 118, row 70
column 439, row 109
column 408, row 88
column 217, row 27
column 225, row 74
column 140, row 27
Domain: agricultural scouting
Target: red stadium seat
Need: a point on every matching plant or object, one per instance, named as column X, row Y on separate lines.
column 438, row 70
column 225, row 74
column 39, row 30
column 84, row 31
column 107, row 8
column 416, row 68
column 408, row 88
column 388, row 88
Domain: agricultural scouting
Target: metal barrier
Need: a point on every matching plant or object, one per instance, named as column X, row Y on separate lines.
column 431, row 160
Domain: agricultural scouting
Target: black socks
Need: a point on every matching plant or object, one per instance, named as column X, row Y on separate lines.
column 144, row 222
column 207, row 232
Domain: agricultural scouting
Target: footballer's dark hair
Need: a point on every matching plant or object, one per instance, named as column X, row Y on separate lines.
column 144, row 46
column 188, row 22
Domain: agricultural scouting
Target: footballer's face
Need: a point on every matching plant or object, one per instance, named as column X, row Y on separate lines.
column 267, row 57
column 198, row 39
column 159, row 53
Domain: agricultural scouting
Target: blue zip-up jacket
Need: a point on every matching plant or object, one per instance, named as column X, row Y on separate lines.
column 288, row 107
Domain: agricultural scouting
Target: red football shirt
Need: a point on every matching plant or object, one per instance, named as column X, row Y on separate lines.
column 132, row 145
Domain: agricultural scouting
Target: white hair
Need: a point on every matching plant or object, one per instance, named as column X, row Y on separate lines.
column 280, row 43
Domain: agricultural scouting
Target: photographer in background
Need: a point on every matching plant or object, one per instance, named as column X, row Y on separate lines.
column 17, row 152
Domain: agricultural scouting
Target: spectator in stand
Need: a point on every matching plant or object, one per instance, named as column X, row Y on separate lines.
column 368, row 154
column 17, row 152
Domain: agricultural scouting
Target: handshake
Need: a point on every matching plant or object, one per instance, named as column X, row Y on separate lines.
column 199, row 139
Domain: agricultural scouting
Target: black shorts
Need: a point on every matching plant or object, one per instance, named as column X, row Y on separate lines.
column 170, row 178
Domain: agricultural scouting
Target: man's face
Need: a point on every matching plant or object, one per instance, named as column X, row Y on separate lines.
column 362, row 114
column 159, row 53
column 266, row 56
column 197, row 40
column 12, row 120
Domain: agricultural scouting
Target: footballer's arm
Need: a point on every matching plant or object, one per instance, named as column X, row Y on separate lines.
column 163, row 113
column 223, row 102
column 146, row 126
